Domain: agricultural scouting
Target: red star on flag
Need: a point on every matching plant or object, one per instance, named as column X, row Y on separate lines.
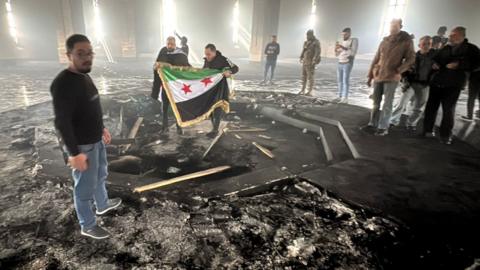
column 186, row 89
column 206, row 81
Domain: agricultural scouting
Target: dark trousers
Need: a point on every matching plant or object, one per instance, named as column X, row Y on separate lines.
column 165, row 107
column 447, row 97
column 473, row 93
column 216, row 118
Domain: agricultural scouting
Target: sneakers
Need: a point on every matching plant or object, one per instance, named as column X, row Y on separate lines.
column 447, row 141
column 381, row 132
column 111, row 204
column 212, row 134
column 429, row 134
column 96, row 232
column 337, row 100
column 344, row 101
column 368, row 129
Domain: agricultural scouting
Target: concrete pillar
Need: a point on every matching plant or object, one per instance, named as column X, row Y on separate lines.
column 264, row 24
column 128, row 42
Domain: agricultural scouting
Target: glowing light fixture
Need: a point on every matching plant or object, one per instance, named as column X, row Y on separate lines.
column 235, row 22
column 12, row 28
column 313, row 15
column 169, row 19
column 99, row 33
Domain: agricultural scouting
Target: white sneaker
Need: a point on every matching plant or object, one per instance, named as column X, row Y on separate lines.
column 337, row 100
column 344, row 101
column 111, row 204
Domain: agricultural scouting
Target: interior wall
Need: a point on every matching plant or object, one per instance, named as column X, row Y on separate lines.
column 209, row 21
column 424, row 17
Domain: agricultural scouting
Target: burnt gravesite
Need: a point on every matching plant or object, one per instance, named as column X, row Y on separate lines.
column 239, row 134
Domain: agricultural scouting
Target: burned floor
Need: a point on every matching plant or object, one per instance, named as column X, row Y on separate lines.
column 320, row 203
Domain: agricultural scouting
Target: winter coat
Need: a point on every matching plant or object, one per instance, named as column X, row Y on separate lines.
column 394, row 56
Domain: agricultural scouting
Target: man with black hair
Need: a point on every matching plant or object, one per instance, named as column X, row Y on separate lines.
column 345, row 50
column 272, row 50
column 183, row 43
column 215, row 60
column 176, row 57
column 452, row 63
column 79, row 124
column 310, row 57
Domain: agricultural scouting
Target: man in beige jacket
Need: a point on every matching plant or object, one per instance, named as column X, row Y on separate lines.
column 394, row 56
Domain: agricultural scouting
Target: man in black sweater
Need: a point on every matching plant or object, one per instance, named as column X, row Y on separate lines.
column 79, row 124
column 452, row 63
column 177, row 57
column 215, row 60
column 272, row 50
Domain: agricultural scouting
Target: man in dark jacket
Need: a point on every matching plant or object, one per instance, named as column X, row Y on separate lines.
column 272, row 50
column 183, row 43
column 215, row 60
column 175, row 56
column 417, row 86
column 452, row 63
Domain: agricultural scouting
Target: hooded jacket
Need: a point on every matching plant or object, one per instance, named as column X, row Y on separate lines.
column 394, row 56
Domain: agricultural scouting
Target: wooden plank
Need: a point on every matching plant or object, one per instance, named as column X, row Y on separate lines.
column 248, row 130
column 195, row 175
column 134, row 131
column 215, row 140
column 264, row 150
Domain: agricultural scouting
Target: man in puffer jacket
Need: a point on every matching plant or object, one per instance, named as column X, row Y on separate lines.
column 395, row 55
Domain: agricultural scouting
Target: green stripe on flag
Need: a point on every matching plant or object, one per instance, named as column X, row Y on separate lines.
column 172, row 74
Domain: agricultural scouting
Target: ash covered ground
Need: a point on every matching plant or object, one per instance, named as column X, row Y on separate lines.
column 292, row 225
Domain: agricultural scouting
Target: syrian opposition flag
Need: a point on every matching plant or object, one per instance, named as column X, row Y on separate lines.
column 194, row 93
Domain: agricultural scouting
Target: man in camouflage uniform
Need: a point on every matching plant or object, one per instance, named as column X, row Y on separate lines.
column 309, row 58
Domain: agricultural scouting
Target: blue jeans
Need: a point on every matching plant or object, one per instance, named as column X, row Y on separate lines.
column 89, row 186
column 343, row 77
column 269, row 65
column 381, row 120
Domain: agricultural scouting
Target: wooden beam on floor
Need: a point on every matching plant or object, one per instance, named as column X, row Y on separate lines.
column 190, row 176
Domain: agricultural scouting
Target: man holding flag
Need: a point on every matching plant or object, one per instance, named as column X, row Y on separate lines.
column 175, row 56
column 215, row 60
column 197, row 94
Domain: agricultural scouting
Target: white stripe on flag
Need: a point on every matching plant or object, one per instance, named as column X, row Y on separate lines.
column 183, row 90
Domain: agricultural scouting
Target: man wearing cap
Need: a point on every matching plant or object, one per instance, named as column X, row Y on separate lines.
column 309, row 58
